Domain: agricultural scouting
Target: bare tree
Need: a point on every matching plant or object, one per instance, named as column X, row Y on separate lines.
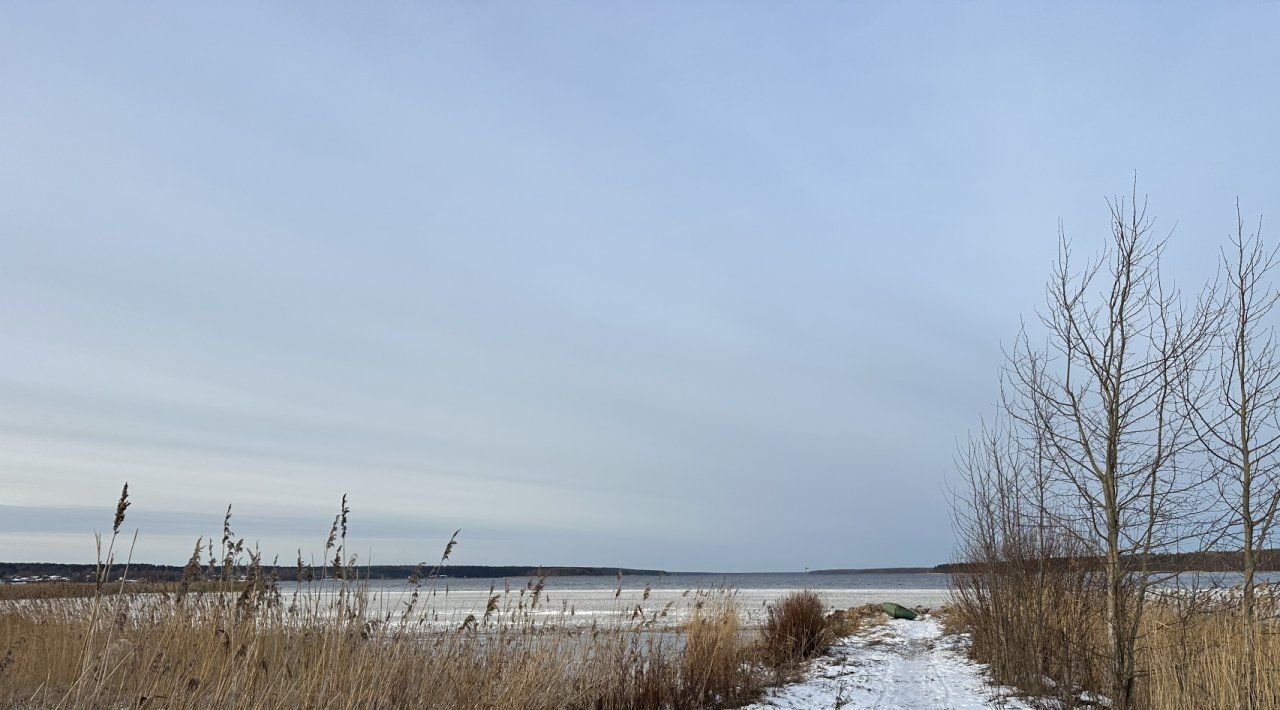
column 1121, row 348
column 1236, row 416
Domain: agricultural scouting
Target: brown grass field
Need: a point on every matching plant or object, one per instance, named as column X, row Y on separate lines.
column 230, row 635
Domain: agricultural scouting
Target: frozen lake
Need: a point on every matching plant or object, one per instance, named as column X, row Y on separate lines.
column 578, row 600
column 581, row 600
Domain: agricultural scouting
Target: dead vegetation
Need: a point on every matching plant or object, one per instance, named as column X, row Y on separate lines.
column 796, row 629
column 1144, row 425
column 232, row 635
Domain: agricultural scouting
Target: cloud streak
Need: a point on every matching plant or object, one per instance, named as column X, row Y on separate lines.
column 654, row 287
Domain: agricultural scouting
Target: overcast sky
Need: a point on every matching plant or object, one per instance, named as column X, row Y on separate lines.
column 711, row 286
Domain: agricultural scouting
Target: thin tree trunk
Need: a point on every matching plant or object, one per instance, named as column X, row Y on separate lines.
column 1249, row 688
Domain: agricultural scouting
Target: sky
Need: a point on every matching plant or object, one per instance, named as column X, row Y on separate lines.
column 706, row 286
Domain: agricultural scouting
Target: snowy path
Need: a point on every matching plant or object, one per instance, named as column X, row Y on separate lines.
column 899, row 665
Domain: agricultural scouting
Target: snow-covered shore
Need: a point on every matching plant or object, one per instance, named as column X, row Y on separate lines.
column 897, row 665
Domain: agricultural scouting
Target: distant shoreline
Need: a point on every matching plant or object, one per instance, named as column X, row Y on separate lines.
column 79, row 572
column 15, row 571
column 1205, row 562
column 877, row 570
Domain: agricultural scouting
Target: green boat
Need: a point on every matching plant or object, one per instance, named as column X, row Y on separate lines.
column 898, row 611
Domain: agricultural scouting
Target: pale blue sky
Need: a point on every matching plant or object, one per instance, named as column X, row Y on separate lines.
column 693, row 286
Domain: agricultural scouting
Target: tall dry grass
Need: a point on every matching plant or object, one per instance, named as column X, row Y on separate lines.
column 1190, row 653
column 1194, row 654
column 232, row 635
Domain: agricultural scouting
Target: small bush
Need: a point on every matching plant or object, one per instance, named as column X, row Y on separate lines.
column 796, row 629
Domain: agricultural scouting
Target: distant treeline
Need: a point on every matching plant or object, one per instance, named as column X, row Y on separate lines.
column 876, row 570
column 1268, row 561
column 168, row 573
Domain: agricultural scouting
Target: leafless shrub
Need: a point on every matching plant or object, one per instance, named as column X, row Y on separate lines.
column 796, row 628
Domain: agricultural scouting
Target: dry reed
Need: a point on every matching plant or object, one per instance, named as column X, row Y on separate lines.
column 231, row 635
column 1190, row 654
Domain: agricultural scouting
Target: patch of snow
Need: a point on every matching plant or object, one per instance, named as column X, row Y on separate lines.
column 899, row 665
column 1090, row 698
